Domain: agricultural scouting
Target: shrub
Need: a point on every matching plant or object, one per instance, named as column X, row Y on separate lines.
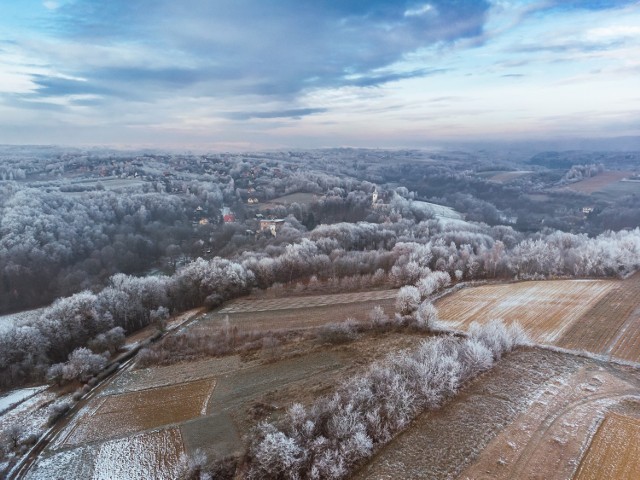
column 338, row 332
column 58, row 410
column 407, row 300
column 378, row 318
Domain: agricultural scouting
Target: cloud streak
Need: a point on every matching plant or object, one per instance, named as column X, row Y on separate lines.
column 206, row 66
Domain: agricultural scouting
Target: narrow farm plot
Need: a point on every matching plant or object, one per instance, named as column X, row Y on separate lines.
column 116, row 415
column 300, row 312
column 610, row 325
column 614, row 451
column 155, row 377
column 546, row 309
column 148, row 455
column 260, row 305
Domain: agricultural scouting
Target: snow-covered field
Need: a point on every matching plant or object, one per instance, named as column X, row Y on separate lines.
column 31, row 415
column 149, row 455
column 16, row 396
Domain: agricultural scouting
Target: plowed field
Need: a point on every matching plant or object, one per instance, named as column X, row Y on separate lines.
column 614, row 451
column 545, row 309
column 599, row 316
column 115, row 415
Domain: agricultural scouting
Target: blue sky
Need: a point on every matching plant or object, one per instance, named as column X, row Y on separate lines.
column 243, row 74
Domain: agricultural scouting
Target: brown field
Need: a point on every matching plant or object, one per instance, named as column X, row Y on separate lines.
column 598, row 316
column 599, row 182
column 610, row 326
column 115, row 415
column 545, row 309
column 505, row 177
column 300, row 312
column 614, row 451
column 531, row 417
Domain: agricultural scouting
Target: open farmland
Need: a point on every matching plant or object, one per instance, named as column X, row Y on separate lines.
column 299, row 312
column 545, row 309
column 154, row 454
column 116, row 415
column 600, row 182
column 155, row 414
column 614, row 451
column 532, row 416
column 599, row 316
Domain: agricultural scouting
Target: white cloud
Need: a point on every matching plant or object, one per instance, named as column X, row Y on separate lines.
column 50, row 4
column 614, row 31
column 419, row 11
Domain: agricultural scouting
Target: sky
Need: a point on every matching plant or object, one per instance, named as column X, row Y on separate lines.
column 259, row 74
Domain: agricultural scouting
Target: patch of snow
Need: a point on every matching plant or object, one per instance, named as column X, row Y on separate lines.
column 16, row 396
column 155, row 455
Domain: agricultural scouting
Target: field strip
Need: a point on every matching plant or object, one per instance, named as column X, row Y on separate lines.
column 545, row 309
column 614, row 451
column 627, row 344
column 262, row 305
column 610, row 325
column 131, row 412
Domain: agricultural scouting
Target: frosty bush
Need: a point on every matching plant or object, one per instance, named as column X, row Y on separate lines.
column 407, row 300
column 498, row 338
column 335, row 434
column 378, row 318
column 426, row 315
column 338, row 332
column 82, row 365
